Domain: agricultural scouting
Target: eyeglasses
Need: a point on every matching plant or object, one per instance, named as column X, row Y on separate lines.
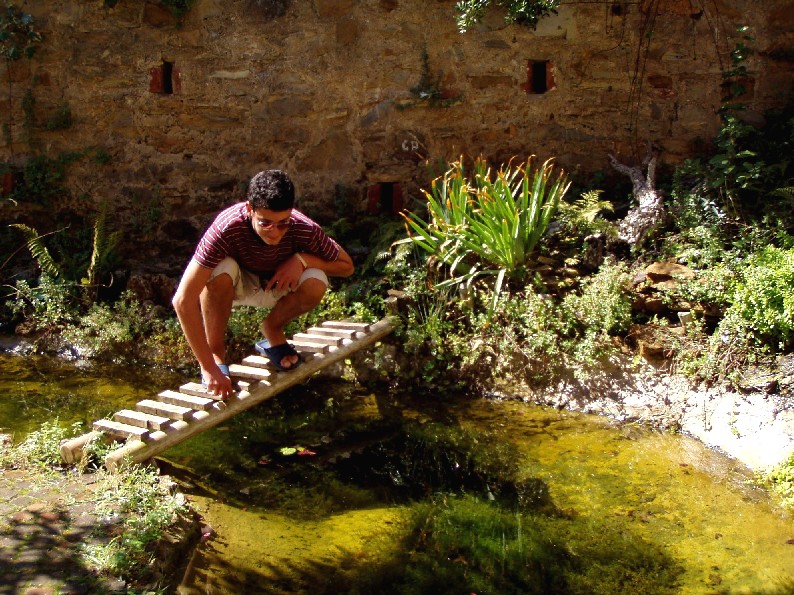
column 264, row 224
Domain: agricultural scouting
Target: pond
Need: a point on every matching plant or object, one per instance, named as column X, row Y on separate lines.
column 329, row 488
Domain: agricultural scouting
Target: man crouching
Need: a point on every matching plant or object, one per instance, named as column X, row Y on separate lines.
column 261, row 252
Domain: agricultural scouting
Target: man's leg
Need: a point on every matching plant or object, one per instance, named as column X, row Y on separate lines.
column 216, row 309
column 307, row 297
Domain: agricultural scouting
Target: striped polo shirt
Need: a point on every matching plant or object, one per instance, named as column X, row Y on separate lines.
column 232, row 234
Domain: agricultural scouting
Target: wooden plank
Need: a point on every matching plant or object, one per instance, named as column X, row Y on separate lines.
column 141, row 419
column 245, row 400
column 256, row 361
column 197, row 389
column 120, row 430
column 354, row 326
column 250, row 372
column 173, row 397
column 318, row 338
column 310, row 347
column 175, row 412
column 343, row 333
column 72, row 449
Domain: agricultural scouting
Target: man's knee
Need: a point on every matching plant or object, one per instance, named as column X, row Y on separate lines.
column 221, row 284
column 312, row 292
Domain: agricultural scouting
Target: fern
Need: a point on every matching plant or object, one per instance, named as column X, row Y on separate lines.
column 39, row 250
column 589, row 205
column 103, row 246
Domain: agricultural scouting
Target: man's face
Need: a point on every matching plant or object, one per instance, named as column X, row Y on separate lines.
column 270, row 225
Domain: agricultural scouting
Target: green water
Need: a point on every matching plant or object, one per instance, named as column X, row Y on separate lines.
column 628, row 510
column 34, row 389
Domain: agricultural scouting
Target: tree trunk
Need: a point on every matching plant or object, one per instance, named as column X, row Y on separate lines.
column 649, row 210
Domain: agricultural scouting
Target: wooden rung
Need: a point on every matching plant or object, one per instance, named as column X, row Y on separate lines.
column 250, row 372
column 176, row 398
column 323, row 339
column 256, row 361
column 197, row 390
column 175, row 412
column 119, row 430
column 310, row 347
column 356, row 326
column 141, row 419
column 333, row 332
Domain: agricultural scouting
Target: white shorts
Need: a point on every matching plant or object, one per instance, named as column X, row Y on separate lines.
column 248, row 290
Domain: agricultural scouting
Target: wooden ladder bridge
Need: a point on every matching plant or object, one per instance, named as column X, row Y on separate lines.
column 174, row 416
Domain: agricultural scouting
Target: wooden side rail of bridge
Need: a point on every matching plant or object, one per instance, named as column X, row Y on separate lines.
column 174, row 416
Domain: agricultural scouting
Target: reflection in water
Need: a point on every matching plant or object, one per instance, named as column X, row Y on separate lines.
column 324, row 490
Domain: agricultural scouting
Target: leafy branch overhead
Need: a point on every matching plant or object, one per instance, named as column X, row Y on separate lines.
column 522, row 12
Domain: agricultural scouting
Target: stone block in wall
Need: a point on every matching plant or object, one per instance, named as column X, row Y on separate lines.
column 158, row 16
column 556, row 25
column 680, row 7
column 347, row 31
column 489, row 81
column 203, row 9
column 230, row 74
column 287, row 106
column 287, row 133
column 333, row 8
column 333, row 153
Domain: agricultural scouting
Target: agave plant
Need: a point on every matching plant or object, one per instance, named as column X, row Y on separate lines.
column 488, row 225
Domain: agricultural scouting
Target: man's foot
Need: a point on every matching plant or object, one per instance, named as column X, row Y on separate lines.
column 283, row 356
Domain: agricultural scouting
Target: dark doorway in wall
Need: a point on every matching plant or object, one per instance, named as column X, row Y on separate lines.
column 168, row 77
column 540, row 77
column 386, row 197
column 164, row 79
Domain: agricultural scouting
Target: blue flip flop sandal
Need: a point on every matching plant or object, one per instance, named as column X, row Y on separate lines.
column 275, row 353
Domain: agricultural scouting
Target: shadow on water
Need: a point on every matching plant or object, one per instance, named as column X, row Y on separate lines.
column 463, row 515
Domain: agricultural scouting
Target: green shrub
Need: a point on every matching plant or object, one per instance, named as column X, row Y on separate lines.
column 604, row 303
column 130, row 331
column 763, row 302
column 713, row 289
column 527, row 336
column 758, row 302
column 50, row 305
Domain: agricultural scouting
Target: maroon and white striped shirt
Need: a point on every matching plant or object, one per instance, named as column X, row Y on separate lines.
column 232, row 234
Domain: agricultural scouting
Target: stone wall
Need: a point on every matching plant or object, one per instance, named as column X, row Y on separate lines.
column 348, row 95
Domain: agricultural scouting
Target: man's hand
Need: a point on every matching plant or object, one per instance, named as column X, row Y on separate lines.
column 218, row 383
column 286, row 276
